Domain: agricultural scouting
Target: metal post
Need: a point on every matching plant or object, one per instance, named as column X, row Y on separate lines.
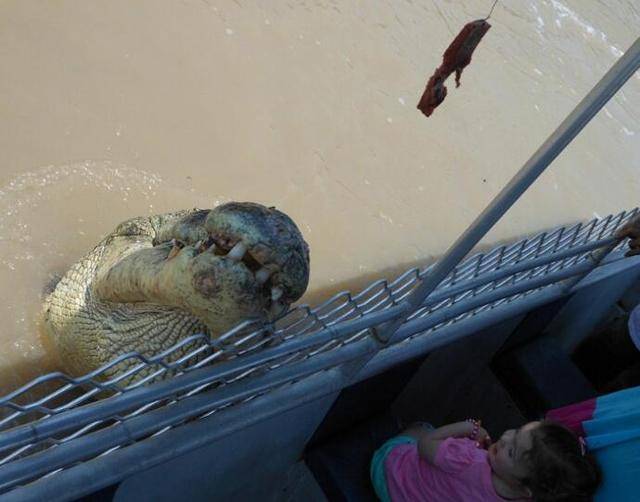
column 535, row 166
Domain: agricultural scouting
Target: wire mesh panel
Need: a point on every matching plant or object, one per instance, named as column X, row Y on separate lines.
column 301, row 334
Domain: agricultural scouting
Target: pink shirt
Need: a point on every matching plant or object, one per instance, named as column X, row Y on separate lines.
column 461, row 473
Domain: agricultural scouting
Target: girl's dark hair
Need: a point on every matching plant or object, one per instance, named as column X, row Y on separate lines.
column 558, row 469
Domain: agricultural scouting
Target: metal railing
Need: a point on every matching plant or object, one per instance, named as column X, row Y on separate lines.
column 71, row 424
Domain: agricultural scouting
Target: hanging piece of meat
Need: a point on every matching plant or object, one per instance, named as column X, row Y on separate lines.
column 455, row 58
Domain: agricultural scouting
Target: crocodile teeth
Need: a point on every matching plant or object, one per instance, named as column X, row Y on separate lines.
column 210, row 245
column 276, row 294
column 238, row 251
column 276, row 309
column 199, row 247
column 177, row 246
column 263, row 275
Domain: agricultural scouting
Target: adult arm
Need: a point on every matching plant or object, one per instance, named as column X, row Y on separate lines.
column 631, row 229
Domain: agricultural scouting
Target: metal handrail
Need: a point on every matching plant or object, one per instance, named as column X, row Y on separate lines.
column 168, row 416
column 106, row 408
column 137, row 427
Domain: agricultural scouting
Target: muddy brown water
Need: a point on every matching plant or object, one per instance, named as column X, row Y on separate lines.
column 116, row 109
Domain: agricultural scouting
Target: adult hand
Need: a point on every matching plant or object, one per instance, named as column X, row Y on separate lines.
column 631, row 229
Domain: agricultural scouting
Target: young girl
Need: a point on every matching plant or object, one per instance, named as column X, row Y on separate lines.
column 540, row 461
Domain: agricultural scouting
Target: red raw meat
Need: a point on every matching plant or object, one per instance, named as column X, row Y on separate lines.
column 455, row 58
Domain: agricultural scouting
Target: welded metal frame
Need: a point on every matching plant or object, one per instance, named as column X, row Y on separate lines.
column 487, row 286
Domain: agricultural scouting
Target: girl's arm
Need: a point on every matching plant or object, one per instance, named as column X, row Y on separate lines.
column 429, row 440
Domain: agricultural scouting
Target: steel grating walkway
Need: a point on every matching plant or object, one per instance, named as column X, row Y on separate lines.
column 88, row 416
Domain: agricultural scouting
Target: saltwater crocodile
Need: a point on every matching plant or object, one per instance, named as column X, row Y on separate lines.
column 156, row 280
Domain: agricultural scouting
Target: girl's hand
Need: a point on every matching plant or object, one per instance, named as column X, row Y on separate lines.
column 478, row 433
column 483, row 439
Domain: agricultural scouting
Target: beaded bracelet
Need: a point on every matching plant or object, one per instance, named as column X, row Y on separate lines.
column 476, row 428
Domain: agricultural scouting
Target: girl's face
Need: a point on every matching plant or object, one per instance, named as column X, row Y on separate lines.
column 506, row 456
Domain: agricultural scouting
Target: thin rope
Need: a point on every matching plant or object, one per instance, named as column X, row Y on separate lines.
column 491, row 11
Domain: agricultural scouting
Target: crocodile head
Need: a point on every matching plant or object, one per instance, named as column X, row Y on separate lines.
column 236, row 261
